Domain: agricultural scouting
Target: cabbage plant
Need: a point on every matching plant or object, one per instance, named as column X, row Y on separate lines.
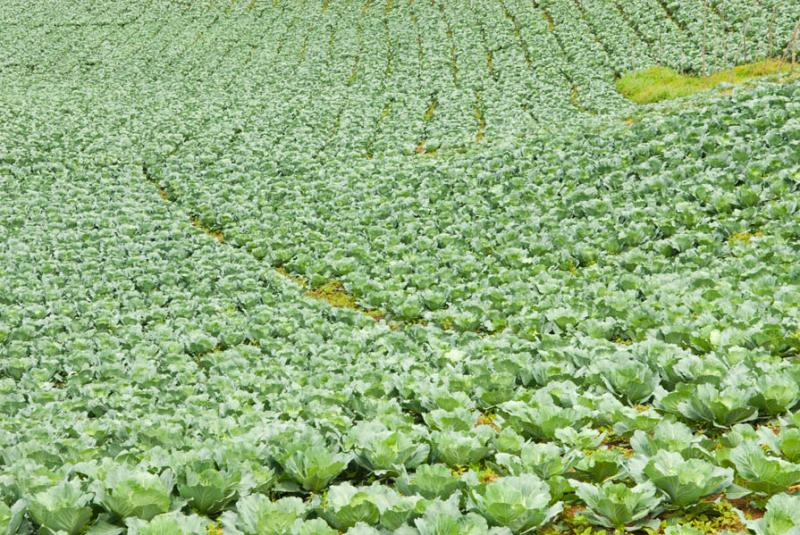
column 685, row 482
column 585, row 439
column 172, row 523
column 131, row 492
column 520, row 503
column 312, row 464
column 208, row 488
column 630, row 379
column 446, row 518
column 64, row 507
column 256, row 514
column 540, row 420
column 462, row 448
column 545, row 460
column 430, row 481
column 781, row 517
column 776, row 393
column 617, row 506
column 600, row 465
column 761, row 472
column 706, row 403
column 395, row 509
column 11, row 518
column 383, row 451
column 315, row 526
column 344, row 505
column 669, row 436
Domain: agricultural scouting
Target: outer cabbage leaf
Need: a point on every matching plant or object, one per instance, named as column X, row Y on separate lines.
column 788, row 442
column 683, row 530
column 11, row 517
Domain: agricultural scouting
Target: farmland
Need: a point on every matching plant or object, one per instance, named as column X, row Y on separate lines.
column 432, row 267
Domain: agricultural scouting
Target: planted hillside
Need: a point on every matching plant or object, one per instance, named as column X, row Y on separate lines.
column 405, row 266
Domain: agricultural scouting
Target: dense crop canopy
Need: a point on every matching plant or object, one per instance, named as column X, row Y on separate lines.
column 318, row 267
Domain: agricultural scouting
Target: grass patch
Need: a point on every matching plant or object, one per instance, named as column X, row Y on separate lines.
column 662, row 83
column 216, row 234
column 430, row 110
column 719, row 517
column 744, row 237
column 334, row 293
column 300, row 281
column 551, row 24
column 479, row 135
column 424, row 150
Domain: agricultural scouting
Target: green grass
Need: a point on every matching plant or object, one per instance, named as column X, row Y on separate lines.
column 332, row 292
column 662, row 83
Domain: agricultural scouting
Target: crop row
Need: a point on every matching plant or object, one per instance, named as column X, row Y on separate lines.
column 573, row 320
column 367, row 75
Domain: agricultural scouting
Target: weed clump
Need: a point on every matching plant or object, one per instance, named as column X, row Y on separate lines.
column 662, row 83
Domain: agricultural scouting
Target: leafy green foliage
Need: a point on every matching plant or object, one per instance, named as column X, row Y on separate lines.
column 685, row 482
column 544, row 460
column 761, row 472
column 381, row 450
column 345, row 506
column 430, row 481
column 258, row 515
column 62, row 508
column 520, row 503
column 312, row 464
column 662, row 83
column 782, row 516
column 176, row 523
column 207, row 488
column 412, row 267
column 707, row 403
column 615, row 505
column 127, row 492
column 11, row 518
column 445, row 518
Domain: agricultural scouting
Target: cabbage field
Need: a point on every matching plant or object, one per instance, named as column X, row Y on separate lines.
column 308, row 267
